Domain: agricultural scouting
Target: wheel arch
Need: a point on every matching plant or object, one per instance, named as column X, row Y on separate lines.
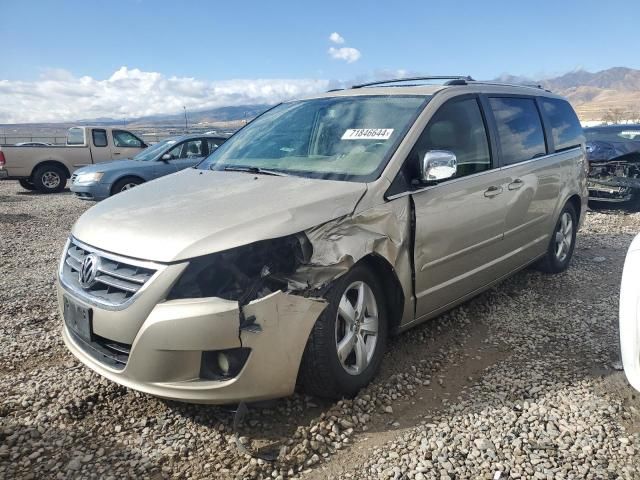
column 576, row 202
column 125, row 177
column 390, row 283
column 57, row 163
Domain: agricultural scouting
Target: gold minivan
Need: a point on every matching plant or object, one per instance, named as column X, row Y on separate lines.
column 289, row 255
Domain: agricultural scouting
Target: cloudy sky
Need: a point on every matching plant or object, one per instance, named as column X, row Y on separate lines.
column 73, row 59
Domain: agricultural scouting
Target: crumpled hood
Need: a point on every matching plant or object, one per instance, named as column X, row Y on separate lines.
column 196, row 212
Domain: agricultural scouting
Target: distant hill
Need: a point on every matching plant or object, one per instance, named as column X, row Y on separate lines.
column 221, row 114
column 612, row 94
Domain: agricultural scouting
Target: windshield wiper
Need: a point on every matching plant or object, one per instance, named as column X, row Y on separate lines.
column 255, row 170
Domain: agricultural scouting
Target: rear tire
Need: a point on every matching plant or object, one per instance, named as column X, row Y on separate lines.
column 562, row 242
column 49, row 178
column 125, row 184
column 26, row 184
column 349, row 330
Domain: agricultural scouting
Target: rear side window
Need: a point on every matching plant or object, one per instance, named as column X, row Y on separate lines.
column 520, row 132
column 75, row 136
column 565, row 126
column 99, row 138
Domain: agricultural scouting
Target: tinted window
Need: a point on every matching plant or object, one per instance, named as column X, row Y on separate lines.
column 565, row 127
column 457, row 127
column 126, row 139
column 519, row 129
column 189, row 149
column 99, row 138
column 214, row 143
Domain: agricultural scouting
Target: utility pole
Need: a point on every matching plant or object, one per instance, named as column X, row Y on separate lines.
column 186, row 126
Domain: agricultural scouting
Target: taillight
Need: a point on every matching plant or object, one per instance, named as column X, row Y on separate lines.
column 2, row 159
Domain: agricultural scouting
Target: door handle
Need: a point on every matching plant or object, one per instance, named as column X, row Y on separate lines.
column 516, row 184
column 116, row 153
column 492, row 191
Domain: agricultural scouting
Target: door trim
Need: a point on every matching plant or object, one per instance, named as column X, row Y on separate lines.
column 471, row 248
column 484, row 266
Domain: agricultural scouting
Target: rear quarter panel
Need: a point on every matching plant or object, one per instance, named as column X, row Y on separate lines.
column 573, row 181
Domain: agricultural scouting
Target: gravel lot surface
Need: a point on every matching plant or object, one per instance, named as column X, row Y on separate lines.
column 521, row 382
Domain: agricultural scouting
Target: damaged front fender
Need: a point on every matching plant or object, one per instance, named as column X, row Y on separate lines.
column 383, row 230
column 285, row 322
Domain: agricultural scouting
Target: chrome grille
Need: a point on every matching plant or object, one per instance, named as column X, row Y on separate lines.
column 117, row 280
column 73, row 177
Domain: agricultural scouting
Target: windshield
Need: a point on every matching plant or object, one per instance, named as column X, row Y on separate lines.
column 618, row 134
column 338, row 138
column 152, row 152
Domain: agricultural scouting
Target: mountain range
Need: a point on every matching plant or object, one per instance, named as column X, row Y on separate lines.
column 612, row 94
column 597, row 96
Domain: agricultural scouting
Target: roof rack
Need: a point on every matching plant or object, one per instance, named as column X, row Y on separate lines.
column 487, row 82
column 458, row 79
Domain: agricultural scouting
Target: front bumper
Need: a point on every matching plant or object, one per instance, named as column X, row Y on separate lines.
column 166, row 353
column 91, row 191
column 630, row 315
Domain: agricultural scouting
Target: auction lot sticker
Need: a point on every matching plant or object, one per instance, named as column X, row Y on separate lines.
column 367, row 134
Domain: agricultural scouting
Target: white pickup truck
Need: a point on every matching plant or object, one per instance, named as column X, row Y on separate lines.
column 47, row 168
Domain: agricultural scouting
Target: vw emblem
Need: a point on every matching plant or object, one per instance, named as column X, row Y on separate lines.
column 89, row 270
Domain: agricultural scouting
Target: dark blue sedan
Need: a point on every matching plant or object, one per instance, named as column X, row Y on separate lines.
column 101, row 180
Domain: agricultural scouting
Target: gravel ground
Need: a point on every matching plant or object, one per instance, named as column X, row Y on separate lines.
column 521, row 382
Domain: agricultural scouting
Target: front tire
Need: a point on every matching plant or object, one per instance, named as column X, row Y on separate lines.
column 562, row 242
column 348, row 340
column 27, row 184
column 125, row 184
column 49, row 179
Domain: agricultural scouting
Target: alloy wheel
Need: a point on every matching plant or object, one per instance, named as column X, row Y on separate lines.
column 356, row 328
column 564, row 236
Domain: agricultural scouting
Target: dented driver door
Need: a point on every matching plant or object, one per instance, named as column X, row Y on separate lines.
column 458, row 239
column 459, row 222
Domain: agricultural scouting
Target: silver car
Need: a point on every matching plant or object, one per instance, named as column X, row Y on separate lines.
column 289, row 255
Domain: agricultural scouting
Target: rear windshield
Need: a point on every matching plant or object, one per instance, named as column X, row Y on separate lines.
column 75, row 136
column 337, row 138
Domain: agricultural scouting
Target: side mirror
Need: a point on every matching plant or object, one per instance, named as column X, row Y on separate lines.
column 166, row 157
column 438, row 165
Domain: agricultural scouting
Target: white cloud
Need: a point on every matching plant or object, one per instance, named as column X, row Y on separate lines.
column 335, row 37
column 347, row 54
column 128, row 93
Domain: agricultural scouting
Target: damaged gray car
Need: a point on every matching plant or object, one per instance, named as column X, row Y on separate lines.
column 613, row 152
column 289, row 255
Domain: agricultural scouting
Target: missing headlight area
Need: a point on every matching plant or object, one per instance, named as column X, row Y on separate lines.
column 615, row 180
column 245, row 273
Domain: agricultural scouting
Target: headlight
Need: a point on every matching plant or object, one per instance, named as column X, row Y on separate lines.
column 89, row 177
